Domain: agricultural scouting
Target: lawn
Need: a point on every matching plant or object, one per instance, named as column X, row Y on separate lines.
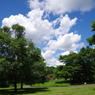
column 50, row 91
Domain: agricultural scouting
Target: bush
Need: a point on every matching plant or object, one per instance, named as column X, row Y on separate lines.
column 53, row 83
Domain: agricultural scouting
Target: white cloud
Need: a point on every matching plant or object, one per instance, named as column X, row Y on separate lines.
column 53, row 62
column 65, row 25
column 36, row 29
column 14, row 19
column 50, row 60
column 68, row 42
column 62, row 6
column 35, row 4
column 68, row 52
column 48, row 54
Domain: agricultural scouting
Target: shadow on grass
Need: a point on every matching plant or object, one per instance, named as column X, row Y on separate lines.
column 23, row 91
column 94, row 89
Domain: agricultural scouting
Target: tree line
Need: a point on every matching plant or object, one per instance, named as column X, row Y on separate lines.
column 21, row 61
column 79, row 67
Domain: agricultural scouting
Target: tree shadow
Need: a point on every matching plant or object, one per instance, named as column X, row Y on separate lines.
column 94, row 89
column 23, row 91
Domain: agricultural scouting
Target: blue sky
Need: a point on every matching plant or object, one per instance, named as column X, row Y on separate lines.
column 55, row 26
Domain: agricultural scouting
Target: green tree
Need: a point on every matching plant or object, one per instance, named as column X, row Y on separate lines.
column 91, row 40
column 69, row 59
column 35, row 65
column 68, row 71
column 71, row 69
column 18, row 31
column 79, row 67
column 86, row 60
column 24, row 58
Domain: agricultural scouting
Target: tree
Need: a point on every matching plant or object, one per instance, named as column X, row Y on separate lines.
column 35, row 65
column 71, row 69
column 69, row 59
column 91, row 40
column 87, row 62
column 23, row 57
column 18, row 31
column 80, row 67
column 11, row 49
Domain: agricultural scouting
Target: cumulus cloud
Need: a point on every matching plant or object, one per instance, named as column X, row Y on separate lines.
column 65, row 42
column 36, row 29
column 50, row 59
column 62, row 6
column 53, row 62
column 65, row 25
column 48, row 54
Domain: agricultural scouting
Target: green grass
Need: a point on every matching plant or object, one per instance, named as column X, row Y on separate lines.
column 50, row 91
column 54, row 83
column 56, row 88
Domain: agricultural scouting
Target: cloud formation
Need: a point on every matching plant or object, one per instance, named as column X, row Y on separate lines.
column 50, row 59
column 44, row 32
column 39, row 28
column 36, row 28
column 62, row 6
column 66, row 42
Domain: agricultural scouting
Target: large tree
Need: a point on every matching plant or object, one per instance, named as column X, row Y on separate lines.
column 23, row 59
column 71, row 69
column 86, row 60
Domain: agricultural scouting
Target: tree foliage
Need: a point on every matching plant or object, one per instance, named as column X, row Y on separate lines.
column 79, row 67
column 91, row 40
column 20, row 60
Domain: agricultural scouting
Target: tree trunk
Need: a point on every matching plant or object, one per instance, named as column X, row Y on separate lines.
column 15, row 86
column 22, row 84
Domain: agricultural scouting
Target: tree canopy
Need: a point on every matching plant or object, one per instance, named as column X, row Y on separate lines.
column 91, row 40
column 20, row 60
column 79, row 67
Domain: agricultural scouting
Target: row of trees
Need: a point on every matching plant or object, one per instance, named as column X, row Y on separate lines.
column 79, row 67
column 20, row 60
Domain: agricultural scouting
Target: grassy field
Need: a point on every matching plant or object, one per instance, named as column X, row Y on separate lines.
column 50, row 91
column 55, row 87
